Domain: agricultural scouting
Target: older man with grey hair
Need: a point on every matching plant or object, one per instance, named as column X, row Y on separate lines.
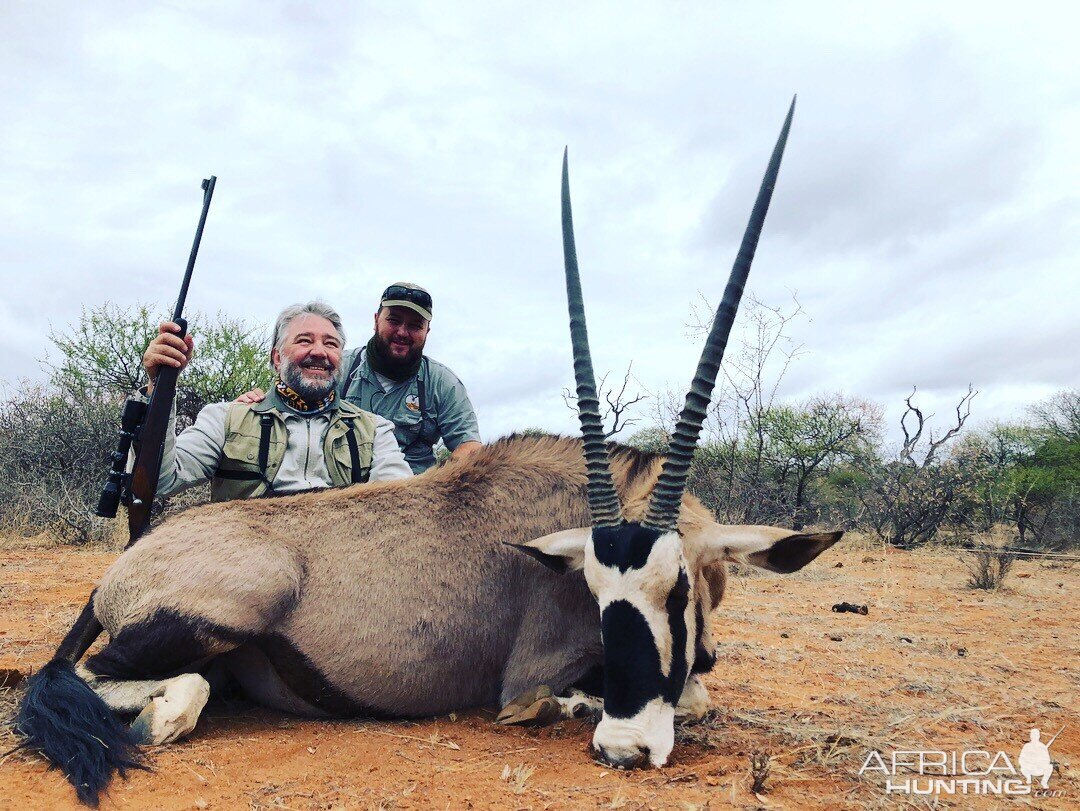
column 301, row 436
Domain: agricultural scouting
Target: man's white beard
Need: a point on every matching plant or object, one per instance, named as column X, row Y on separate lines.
column 311, row 390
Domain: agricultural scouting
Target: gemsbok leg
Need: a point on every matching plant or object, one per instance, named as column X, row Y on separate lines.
column 171, row 612
column 540, row 706
column 169, row 604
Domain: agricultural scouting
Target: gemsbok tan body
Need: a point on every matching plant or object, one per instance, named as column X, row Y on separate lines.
column 393, row 599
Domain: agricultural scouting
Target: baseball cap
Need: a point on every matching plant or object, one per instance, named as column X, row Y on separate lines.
column 406, row 294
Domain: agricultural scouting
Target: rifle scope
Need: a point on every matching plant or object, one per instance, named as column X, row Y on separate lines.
column 116, row 485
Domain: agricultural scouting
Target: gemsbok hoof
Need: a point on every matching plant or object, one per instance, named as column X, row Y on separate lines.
column 532, row 708
column 173, row 714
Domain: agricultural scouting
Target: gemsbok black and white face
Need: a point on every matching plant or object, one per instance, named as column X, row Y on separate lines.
column 648, row 623
column 643, row 573
column 651, row 614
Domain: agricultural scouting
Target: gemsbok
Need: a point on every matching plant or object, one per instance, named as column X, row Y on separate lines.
column 410, row 598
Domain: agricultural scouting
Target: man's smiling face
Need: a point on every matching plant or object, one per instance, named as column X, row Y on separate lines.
column 401, row 334
column 309, row 357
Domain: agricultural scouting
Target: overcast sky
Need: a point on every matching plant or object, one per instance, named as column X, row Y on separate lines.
column 926, row 213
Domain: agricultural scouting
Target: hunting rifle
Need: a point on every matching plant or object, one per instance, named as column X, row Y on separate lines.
column 144, row 424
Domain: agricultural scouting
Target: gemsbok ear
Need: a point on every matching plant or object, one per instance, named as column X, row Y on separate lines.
column 561, row 551
column 793, row 552
column 772, row 548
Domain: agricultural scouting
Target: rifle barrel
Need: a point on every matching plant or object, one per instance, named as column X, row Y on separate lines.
column 147, row 468
column 208, row 193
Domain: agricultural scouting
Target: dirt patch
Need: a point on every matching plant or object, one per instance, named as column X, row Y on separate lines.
column 933, row 665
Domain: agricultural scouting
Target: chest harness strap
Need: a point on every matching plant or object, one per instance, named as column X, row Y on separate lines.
column 358, row 476
column 423, row 406
column 267, row 422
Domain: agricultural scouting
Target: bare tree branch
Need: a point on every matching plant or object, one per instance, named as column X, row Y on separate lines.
column 910, row 497
column 963, row 411
column 618, row 402
column 911, row 441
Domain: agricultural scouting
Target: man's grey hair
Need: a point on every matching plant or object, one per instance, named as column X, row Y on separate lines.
column 319, row 308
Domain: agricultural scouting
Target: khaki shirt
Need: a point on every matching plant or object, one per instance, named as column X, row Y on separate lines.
column 447, row 412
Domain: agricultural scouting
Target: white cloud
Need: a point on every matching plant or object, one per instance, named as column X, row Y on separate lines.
column 925, row 213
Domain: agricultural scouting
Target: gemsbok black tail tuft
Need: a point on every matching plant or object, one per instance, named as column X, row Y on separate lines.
column 65, row 720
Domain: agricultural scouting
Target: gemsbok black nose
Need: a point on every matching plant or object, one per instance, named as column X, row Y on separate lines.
column 630, row 760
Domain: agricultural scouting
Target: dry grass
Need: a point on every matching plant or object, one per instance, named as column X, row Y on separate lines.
column 9, row 742
column 987, row 568
column 517, row 777
column 113, row 539
column 759, row 771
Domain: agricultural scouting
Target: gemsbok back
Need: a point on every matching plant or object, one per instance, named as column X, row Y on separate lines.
column 409, row 598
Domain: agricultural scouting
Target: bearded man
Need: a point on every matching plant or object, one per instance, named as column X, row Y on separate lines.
column 392, row 377
column 300, row 436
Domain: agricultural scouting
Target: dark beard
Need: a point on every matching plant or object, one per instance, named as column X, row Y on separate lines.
column 292, row 376
column 382, row 362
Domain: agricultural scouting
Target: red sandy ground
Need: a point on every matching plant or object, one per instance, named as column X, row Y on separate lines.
column 980, row 670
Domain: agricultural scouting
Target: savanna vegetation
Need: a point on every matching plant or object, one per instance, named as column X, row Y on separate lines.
column 56, row 437
column 824, row 460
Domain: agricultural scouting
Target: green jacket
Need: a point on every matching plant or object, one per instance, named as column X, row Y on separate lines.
column 256, row 438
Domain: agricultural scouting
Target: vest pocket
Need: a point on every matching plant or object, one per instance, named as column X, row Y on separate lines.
column 242, row 448
column 236, row 480
column 344, row 471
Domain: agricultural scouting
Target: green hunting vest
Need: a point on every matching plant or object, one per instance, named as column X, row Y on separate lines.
column 255, row 441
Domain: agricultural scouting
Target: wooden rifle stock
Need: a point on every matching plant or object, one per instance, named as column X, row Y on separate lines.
column 147, row 468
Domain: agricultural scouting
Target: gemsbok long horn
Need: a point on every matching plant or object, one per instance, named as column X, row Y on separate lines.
column 603, row 500
column 663, row 510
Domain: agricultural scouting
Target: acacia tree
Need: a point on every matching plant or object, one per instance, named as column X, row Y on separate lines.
column 751, row 379
column 800, row 443
column 1002, row 494
column 1053, row 475
column 101, row 356
column 729, row 471
column 1052, row 471
column 1058, row 416
column 760, row 461
column 1027, row 474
